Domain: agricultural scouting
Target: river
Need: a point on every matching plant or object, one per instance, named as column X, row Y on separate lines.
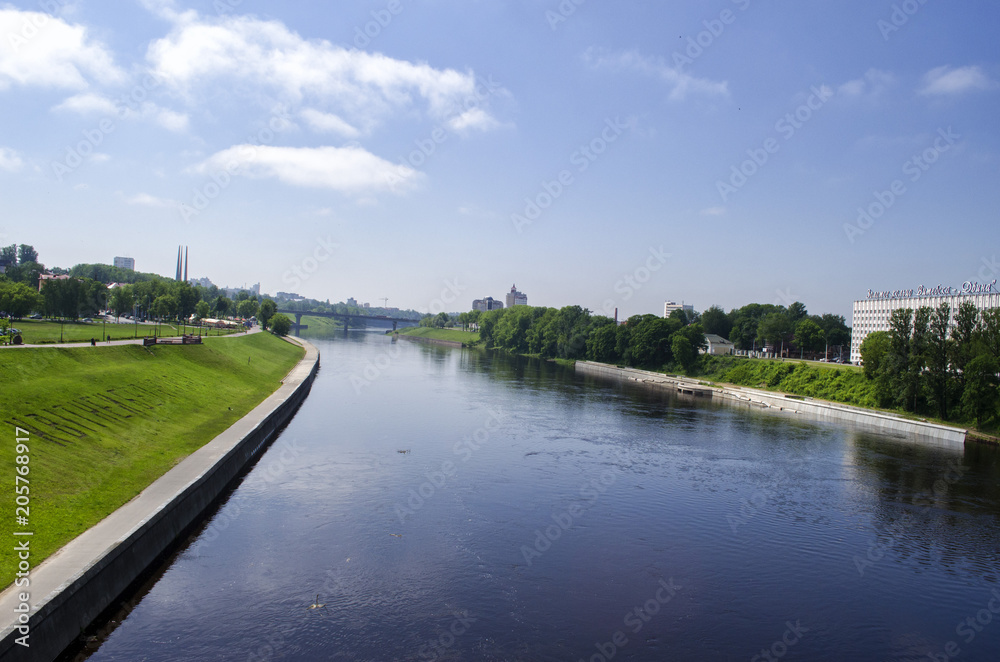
column 451, row 504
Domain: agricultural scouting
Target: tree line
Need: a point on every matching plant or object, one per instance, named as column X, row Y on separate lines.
column 928, row 363
column 791, row 331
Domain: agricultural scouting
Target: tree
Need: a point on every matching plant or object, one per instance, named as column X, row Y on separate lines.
column 963, row 337
column 937, row 352
column 601, row 343
column 775, row 328
column 714, row 320
column 897, row 362
column 683, row 353
column 679, row 315
column 202, row 310
column 122, row 300
column 796, row 312
column 8, row 255
column 988, row 331
column 979, row 400
column 222, row 305
column 247, row 308
column 874, row 352
column 26, row 253
column 18, row 300
column 919, row 346
column 266, row 311
column 280, row 324
column 809, row 336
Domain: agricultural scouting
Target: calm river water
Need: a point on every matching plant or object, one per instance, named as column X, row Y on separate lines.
column 459, row 505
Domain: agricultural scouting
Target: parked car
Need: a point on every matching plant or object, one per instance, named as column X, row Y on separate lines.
column 36, row 316
column 87, row 319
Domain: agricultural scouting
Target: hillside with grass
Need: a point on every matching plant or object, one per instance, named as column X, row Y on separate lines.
column 106, row 422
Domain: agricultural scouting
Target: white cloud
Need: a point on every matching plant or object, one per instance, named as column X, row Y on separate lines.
column 681, row 84
column 354, row 86
column 947, row 81
column 328, row 123
column 100, row 157
column 147, row 200
column 10, row 160
column 871, row 85
column 87, row 103
column 345, row 169
column 39, row 49
column 475, row 118
column 90, row 103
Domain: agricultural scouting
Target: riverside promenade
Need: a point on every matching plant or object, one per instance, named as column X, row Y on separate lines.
column 77, row 583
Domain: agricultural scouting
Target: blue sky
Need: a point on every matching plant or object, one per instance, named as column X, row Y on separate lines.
column 433, row 152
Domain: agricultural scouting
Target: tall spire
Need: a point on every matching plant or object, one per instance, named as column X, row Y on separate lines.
column 185, row 264
column 177, row 274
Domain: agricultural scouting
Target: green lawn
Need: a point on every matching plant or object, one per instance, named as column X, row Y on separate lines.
column 456, row 335
column 36, row 332
column 105, row 422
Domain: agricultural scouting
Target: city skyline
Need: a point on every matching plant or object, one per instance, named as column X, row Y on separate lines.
column 621, row 156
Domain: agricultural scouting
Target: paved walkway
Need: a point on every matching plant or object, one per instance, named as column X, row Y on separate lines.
column 127, row 341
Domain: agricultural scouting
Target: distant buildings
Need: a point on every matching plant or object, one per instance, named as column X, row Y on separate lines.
column 515, row 298
column 288, row 296
column 487, row 304
column 351, row 301
column 671, row 306
column 202, row 282
column 125, row 263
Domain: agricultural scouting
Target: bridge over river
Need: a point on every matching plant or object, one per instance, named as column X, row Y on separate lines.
column 298, row 326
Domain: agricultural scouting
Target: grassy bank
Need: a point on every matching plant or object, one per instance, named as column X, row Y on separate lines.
column 837, row 383
column 468, row 338
column 105, row 422
column 36, row 332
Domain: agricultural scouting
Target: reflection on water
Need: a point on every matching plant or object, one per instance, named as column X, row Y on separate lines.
column 460, row 505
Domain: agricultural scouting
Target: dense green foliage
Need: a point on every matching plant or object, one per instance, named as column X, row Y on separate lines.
column 280, row 324
column 573, row 333
column 922, row 367
column 836, row 383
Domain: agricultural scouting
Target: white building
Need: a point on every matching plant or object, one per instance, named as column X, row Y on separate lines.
column 125, row 263
column 717, row 345
column 671, row 306
column 515, row 298
column 873, row 313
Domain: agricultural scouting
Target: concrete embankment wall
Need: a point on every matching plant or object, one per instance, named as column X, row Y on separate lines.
column 807, row 407
column 432, row 341
column 75, row 585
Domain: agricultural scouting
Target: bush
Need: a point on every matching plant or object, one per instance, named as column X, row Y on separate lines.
column 280, row 324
